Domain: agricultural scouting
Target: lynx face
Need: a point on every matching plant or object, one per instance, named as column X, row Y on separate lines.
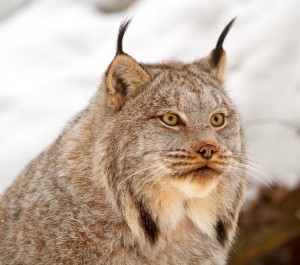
column 160, row 154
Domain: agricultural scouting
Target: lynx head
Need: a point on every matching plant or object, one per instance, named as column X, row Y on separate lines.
column 171, row 137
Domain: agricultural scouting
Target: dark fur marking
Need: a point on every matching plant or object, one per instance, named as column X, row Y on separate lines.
column 178, row 156
column 121, row 86
column 123, row 27
column 221, row 232
column 147, row 222
column 218, row 51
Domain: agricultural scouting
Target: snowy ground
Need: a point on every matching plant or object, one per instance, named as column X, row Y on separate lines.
column 53, row 53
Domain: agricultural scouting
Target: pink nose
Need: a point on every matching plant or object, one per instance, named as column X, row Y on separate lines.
column 207, row 151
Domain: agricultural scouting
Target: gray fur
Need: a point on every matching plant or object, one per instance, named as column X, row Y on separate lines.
column 117, row 186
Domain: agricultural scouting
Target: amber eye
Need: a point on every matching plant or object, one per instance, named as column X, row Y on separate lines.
column 170, row 119
column 217, row 120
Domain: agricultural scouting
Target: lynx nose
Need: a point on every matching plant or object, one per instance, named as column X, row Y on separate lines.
column 207, row 151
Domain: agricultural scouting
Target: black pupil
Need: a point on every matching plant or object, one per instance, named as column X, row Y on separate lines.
column 170, row 118
column 216, row 119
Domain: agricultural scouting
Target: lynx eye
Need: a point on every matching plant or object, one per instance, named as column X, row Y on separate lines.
column 217, row 120
column 170, row 119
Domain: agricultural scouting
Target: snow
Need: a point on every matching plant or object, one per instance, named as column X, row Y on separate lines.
column 54, row 52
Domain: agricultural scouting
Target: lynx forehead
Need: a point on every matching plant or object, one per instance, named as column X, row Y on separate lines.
column 151, row 172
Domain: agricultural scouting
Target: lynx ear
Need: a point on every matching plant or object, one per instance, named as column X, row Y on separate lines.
column 125, row 76
column 216, row 61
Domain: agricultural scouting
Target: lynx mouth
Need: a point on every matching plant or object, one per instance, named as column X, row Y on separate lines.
column 203, row 169
column 201, row 172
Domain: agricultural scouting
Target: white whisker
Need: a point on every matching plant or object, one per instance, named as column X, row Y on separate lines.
column 260, row 172
column 242, row 167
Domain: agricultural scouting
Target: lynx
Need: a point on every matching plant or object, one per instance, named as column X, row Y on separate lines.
column 149, row 173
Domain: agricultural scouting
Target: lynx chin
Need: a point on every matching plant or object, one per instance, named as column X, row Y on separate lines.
column 149, row 173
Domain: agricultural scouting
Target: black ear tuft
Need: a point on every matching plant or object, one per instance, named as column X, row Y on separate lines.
column 123, row 27
column 224, row 34
column 218, row 51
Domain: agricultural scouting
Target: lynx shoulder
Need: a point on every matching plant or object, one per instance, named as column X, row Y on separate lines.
column 149, row 173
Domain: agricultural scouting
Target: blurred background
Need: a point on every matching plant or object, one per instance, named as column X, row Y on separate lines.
column 53, row 54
